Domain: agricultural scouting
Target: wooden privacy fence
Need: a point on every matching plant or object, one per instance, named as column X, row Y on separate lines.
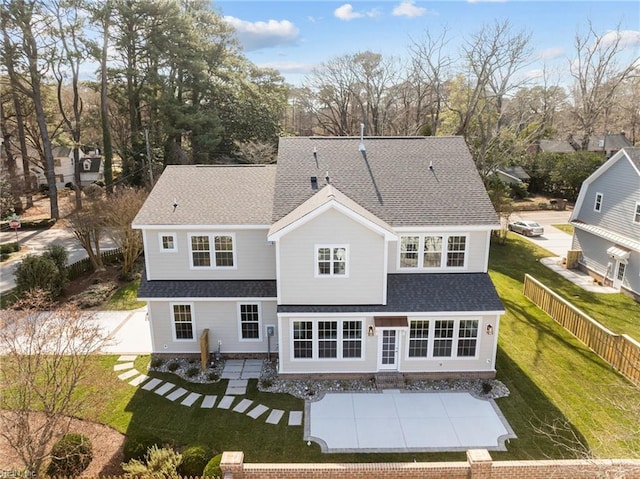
column 84, row 265
column 621, row 351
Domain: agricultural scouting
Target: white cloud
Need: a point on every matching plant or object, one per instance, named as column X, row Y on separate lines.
column 487, row 1
column 289, row 66
column 258, row 35
column 626, row 38
column 346, row 12
column 408, row 9
column 550, row 53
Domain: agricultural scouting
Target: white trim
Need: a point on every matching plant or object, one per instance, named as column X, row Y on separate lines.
column 146, row 259
column 486, row 252
column 278, row 267
column 385, row 271
column 331, row 247
column 402, row 230
column 173, row 322
column 410, row 315
column 200, row 227
column 161, row 244
column 213, row 299
column 212, row 250
column 443, row 252
column 259, row 339
column 597, row 202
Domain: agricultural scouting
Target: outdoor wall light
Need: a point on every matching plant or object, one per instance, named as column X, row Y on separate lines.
column 489, row 329
column 371, row 330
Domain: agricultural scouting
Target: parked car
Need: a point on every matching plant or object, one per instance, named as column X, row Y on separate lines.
column 527, row 228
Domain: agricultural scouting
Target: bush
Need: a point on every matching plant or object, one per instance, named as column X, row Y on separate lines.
column 173, row 366
column 68, row 185
column 212, row 469
column 156, row 362
column 194, row 460
column 9, row 247
column 158, row 462
column 192, row 372
column 39, row 272
column 212, row 376
column 136, row 447
column 70, row 455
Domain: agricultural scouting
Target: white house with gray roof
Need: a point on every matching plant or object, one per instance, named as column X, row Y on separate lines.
column 351, row 256
column 606, row 222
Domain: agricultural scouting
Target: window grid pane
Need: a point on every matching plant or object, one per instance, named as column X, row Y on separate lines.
column 302, row 339
column 167, row 242
column 432, row 251
column 352, row 339
column 455, row 250
column 339, row 261
column 250, row 321
column 328, row 339
column 409, row 246
column 201, row 252
column 182, row 321
column 224, row 250
column 324, row 261
column 443, row 338
column 419, row 339
column 636, row 217
column 468, row 338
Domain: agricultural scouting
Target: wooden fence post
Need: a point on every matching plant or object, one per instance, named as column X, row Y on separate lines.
column 204, row 349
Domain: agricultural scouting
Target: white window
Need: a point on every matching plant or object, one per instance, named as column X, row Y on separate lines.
column 168, row 242
column 440, row 251
column 87, row 165
column 183, row 324
column 636, row 216
column 597, row 205
column 212, row 251
column 419, row 339
column 332, row 260
column 443, row 338
column 335, row 339
column 250, row 322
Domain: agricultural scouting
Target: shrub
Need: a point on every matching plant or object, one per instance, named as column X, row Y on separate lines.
column 70, row 455
column 59, row 256
column 192, row 372
column 136, row 447
column 173, row 366
column 156, row 362
column 194, row 460
column 212, row 469
column 486, row 387
column 9, row 247
column 39, row 272
column 212, row 376
column 158, row 462
column 266, row 383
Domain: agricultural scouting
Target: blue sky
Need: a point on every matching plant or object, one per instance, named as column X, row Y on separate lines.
column 295, row 36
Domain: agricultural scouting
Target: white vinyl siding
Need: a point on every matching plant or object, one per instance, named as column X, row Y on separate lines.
column 335, row 339
column 433, row 251
column 597, row 204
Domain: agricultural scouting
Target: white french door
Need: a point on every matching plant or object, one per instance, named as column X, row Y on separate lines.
column 618, row 274
column 388, row 345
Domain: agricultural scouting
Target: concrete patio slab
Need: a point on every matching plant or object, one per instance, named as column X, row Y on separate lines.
column 190, row 399
column 178, row 393
column 243, row 405
column 137, row 381
column 274, row 416
column 151, row 384
column 257, row 411
column 295, row 418
column 122, row 366
column 128, row 374
column 208, row 402
column 226, row 402
column 164, row 389
column 405, row 421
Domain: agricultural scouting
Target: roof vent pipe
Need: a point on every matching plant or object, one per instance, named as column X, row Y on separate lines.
column 361, row 146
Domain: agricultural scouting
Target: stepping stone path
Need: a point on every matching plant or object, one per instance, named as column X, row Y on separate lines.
column 237, row 371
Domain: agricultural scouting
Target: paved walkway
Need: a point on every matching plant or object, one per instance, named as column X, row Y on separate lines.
column 237, row 371
column 576, row 276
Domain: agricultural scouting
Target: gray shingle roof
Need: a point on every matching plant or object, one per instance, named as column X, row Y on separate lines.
column 556, row 146
column 207, row 289
column 634, row 156
column 413, row 293
column 392, row 180
column 608, row 142
column 94, row 165
column 210, row 195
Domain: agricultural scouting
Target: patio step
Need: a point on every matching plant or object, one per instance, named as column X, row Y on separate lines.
column 389, row 381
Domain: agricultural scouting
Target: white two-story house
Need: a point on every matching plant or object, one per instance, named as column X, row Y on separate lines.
column 351, row 256
column 606, row 222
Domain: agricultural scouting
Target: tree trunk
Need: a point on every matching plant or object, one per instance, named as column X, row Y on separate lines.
column 104, row 105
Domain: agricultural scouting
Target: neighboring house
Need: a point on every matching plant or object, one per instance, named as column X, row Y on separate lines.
column 606, row 222
column 608, row 144
column 350, row 256
column 554, row 146
column 512, row 175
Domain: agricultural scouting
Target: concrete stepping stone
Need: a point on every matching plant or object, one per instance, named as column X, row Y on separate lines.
column 208, row 402
column 274, row 416
column 190, row 399
column 128, row 374
column 123, row 366
column 243, row 405
column 237, row 387
column 225, row 402
column 232, row 369
column 295, row 418
column 164, row 389
column 151, row 384
column 139, row 380
column 178, row 393
column 257, row 411
column 127, row 357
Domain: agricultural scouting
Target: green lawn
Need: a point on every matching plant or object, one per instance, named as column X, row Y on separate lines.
column 125, row 298
column 552, row 378
column 565, row 227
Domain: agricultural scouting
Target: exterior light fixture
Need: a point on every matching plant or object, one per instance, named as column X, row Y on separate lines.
column 489, row 329
column 371, row 330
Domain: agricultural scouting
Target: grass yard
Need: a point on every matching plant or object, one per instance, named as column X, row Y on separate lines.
column 564, row 227
column 125, row 298
column 552, row 377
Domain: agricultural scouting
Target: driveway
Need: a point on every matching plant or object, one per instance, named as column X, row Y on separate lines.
column 405, row 421
column 556, row 241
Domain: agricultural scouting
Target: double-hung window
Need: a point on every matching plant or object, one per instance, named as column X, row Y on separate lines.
column 467, row 337
column 419, row 339
column 597, row 204
column 212, row 250
column 182, row 317
column 441, row 251
column 636, row 216
column 332, row 260
column 168, row 242
column 443, row 338
column 250, row 323
column 327, row 339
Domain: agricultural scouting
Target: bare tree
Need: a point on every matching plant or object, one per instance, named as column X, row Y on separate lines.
column 120, row 211
column 597, row 76
column 88, row 224
column 45, row 357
